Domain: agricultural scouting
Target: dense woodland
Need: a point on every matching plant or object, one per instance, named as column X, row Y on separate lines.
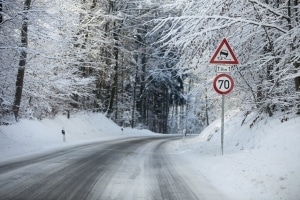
column 145, row 63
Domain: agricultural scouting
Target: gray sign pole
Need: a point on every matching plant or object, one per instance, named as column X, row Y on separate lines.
column 222, row 124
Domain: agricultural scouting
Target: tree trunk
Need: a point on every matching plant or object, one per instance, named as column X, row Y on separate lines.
column 206, row 108
column 293, row 14
column 297, row 85
column 22, row 62
column 143, row 87
column 297, row 64
column 1, row 9
column 114, row 89
column 297, row 79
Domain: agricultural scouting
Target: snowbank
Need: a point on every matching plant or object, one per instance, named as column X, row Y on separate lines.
column 33, row 136
column 262, row 162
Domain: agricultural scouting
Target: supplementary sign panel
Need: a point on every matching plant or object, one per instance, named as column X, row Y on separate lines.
column 224, row 69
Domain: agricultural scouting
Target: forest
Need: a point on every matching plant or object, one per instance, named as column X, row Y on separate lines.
column 145, row 63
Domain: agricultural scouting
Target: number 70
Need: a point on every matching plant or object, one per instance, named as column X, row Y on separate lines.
column 224, row 83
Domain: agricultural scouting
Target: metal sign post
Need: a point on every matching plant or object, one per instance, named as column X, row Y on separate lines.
column 222, row 124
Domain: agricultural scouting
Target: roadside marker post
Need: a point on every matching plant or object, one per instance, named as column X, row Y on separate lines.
column 63, row 132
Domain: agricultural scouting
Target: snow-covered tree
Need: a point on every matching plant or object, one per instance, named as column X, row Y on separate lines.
column 260, row 33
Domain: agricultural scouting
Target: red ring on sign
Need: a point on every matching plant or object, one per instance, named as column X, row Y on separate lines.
column 215, row 84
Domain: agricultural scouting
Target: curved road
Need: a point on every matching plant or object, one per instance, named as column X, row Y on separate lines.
column 127, row 169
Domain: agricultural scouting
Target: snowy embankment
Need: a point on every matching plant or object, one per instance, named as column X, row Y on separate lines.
column 40, row 136
column 259, row 163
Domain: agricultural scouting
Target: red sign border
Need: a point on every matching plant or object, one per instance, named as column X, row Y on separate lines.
column 215, row 84
column 224, row 62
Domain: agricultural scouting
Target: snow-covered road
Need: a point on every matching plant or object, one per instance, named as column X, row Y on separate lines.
column 136, row 168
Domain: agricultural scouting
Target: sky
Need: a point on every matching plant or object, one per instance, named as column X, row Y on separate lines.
column 262, row 162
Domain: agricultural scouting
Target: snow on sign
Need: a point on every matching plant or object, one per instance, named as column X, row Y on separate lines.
column 223, row 84
column 224, row 55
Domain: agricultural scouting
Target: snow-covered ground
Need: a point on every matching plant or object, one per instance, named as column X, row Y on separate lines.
column 258, row 163
column 40, row 136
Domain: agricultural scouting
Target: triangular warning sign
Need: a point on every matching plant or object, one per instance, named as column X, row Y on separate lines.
column 224, row 55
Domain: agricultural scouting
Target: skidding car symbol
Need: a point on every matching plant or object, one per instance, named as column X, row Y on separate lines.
column 223, row 55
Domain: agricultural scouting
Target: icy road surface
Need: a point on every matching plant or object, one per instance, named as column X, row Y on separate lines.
column 132, row 169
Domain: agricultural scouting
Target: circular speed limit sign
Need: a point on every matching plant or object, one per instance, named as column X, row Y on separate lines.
column 223, row 84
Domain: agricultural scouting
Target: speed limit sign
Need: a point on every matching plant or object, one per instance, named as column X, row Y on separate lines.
column 223, row 84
